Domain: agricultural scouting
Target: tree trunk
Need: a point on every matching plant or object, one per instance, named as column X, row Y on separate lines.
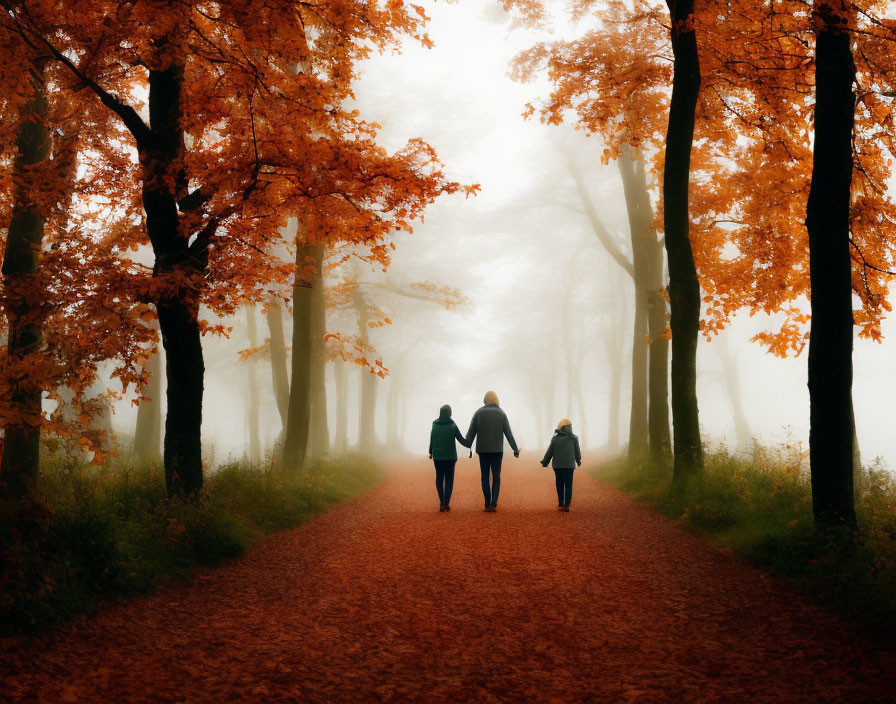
column 367, row 419
column 639, row 223
column 20, row 461
column 279, row 374
column 254, row 400
column 185, row 370
column 637, row 270
column 178, row 273
column 658, row 430
column 684, row 287
column 148, row 433
column 295, row 442
column 731, row 379
column 393, row 437
column 637, row 427
column 614, row 346
column 320, row 431
column 367, row 410
column 340, row 373
column 827, row 221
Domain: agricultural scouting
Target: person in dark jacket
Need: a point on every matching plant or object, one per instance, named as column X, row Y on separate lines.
column 489, row 427
column 443, row 453
column 564, row 455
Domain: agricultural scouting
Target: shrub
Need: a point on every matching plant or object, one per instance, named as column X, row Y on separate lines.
column 761, row 508
column 95, row 533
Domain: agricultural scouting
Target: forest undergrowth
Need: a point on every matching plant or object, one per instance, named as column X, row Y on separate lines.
column 100, row 532
column 759, row 506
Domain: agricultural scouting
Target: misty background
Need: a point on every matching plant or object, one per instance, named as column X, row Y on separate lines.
column 548, row 314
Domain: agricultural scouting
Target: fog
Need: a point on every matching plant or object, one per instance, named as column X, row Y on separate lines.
column 547, row 313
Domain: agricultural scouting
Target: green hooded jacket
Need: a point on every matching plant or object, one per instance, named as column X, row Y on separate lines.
column 444, row 433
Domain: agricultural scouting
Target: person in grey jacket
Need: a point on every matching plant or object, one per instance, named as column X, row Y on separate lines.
column 564, row 455
column 489, row 427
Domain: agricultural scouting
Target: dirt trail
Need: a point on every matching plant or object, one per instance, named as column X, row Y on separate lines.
column 386, row 599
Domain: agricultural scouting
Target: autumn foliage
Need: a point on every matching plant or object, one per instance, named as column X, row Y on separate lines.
column 198, row 129
column 751, row 163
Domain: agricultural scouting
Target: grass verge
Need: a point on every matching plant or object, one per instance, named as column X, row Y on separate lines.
column 760, row 507
column 97, row 533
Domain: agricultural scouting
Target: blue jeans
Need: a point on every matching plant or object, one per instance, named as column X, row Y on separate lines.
column 490, row 462
column 444, row 479
column 564, row 486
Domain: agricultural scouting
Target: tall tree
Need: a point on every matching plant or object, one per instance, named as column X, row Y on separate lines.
column 649, row 416
column 684, row 288
column 34, row 142
column 309, row 260
column 831, row 430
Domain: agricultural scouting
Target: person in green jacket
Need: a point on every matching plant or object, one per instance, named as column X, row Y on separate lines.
column 443, row 453
column 564, row 455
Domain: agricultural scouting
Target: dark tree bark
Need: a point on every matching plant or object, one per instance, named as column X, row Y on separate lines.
column 828, row 221
column 20, row 461
column 148, row 432
column 684, row 287
column 295, row 441
column 279, row 374
column 178, row 271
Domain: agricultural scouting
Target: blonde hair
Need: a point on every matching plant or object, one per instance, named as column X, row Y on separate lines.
column 565, row 421
column 491, row 398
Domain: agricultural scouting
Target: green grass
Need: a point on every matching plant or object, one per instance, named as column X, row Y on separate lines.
column 97, row 533
column 760, row 507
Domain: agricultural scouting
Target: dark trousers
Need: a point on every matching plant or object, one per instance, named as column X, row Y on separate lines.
column 490, row 462
column 444, row 479
column 564, row 486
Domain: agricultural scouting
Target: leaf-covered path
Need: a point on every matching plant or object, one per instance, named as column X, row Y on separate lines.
column 386, row 599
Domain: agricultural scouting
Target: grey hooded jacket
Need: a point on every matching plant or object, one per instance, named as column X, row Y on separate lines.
column 563, row 450
column 489, row 427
